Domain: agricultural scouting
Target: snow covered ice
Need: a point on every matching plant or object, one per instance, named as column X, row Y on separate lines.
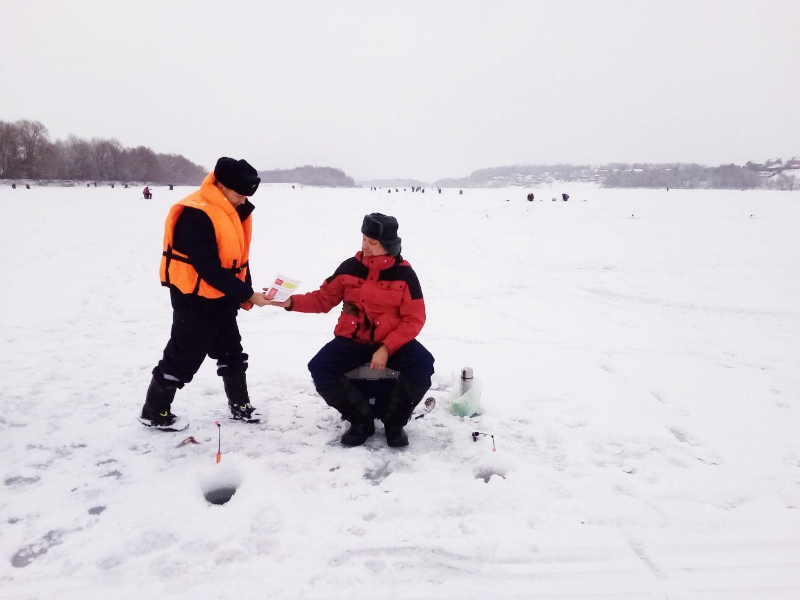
column 638, row 355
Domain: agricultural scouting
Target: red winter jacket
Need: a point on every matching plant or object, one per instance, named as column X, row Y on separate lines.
column 382, row 300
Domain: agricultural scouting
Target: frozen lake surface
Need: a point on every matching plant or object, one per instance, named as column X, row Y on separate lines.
column 639, row 359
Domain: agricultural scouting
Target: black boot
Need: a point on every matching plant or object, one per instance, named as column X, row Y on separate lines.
column 156, row 410
column 358, row 433
column 351, row 403
column 239, row 399
column 402, row 400
column 396, row 437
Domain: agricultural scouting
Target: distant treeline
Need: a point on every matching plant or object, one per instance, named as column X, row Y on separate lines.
column 517, row 175
column 691, row 176
column 26, row 152
column 636, row 175
column 308, row 175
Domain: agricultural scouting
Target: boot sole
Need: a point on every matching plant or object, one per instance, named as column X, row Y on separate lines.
column 254, row 421
column 180, row 424
column 361, row 443
column 403, row 445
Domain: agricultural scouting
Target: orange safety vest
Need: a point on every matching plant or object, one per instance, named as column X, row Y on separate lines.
column 233, row 241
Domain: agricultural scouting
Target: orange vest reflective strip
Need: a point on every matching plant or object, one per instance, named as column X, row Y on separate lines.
column 233, row 241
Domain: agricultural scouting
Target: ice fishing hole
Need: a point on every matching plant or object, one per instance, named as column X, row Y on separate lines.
column 219, row 483
column 220, row 495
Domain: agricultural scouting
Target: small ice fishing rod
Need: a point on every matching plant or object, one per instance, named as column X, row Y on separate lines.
column 475, row 435
column 219, row 441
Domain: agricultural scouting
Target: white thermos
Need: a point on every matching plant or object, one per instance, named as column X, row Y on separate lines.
column 467, row 401
column 466, row 380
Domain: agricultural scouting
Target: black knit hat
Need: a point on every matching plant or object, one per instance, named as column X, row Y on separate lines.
column 384, row 229
column 237, row 175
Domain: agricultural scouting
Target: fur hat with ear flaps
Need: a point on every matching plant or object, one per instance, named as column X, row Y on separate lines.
column 384, row 229
column 237, row 175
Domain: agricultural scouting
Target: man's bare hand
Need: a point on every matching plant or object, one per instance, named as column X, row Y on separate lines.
column 259, row 299
column 283, row 304
column 379, row 358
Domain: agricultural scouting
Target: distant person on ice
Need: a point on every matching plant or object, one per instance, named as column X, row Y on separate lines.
column 205, row 265
column 147, row 193
column 382, row 313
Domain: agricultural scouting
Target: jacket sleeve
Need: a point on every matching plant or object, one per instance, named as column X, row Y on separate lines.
column 412, row 315
column 330, row 294
column 195, row 237
column 244, row 211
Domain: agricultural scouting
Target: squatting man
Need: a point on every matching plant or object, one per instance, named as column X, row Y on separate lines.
column 383, row 312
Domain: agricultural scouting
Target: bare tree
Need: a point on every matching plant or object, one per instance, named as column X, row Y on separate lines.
column 49, row 162
column 9, row 149
column 78, row 159
column 33, row 136
column 106, row 158
column 142, row 165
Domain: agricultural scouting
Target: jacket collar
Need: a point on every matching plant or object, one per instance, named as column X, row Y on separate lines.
column 377, row 262
column 245, row 209
column 212, row 195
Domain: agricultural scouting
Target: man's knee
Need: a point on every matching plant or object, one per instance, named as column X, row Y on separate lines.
column 426, row 361
column 324, row 367
column 415, row 362
column 316, row 366
column 231, row 365
column 169, row 381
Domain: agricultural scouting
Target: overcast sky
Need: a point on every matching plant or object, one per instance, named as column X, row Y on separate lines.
column 424, row 89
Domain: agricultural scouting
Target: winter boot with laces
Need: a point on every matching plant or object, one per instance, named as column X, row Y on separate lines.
column 156, row 410
column 239, row 399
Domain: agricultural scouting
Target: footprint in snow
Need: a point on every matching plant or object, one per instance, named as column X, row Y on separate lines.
column 20, row 481
column 31, row 552
column 700, row 453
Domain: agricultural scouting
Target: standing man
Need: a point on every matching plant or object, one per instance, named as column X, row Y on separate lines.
column 205, row 264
